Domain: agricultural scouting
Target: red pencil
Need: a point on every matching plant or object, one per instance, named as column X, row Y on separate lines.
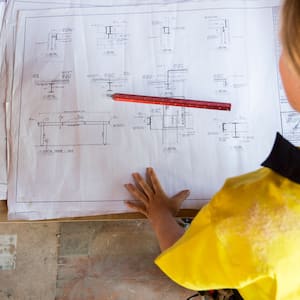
column 172, row 101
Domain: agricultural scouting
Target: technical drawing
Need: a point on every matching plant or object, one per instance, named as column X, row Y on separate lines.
column 50, row 87
column 221, row 83
column 56, row 38
column 164, row 31
column 172, row 122
column 234, row 130
column 290, row 119
column 168, row 82
column 72, row 129
column 109, row 81
column 111, row 37
column 124, row 46
column 291, row 126
column 224, row 83
column 218, row 31
column 278, row 48
column 54, row 46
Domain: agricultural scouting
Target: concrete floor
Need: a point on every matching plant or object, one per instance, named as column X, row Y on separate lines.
column 82, row 261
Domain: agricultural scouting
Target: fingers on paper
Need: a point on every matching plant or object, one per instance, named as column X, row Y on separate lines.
column 182, row 195
column 140, row 182
column 136, row 193
column 154, row 181
column 177, row 200
column 137, row 206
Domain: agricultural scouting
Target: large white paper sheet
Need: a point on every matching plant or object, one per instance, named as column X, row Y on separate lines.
column 7, row 46
column 7, row 50
column 2, row 8
column 3, row 161
column 72, row 148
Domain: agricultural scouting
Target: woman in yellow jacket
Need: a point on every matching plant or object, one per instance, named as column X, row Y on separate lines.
column 252, row 246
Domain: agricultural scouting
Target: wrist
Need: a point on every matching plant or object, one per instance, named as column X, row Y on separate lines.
column 161, row 218
column 166, row 229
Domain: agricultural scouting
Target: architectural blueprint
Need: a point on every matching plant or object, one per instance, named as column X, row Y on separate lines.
column 7, row 48
column 72, row 148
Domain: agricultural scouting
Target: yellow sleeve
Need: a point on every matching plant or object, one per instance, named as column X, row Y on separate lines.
column 198, row 260
column 247, row 238
column 195, row 263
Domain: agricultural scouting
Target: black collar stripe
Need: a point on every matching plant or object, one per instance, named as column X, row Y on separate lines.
column 284, row 159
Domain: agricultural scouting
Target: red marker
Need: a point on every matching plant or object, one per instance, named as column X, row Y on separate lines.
column 172, row 101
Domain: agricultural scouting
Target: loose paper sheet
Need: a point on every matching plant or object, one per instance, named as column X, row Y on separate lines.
column 7, row 51
column 3, row 160
column 7, row 48
column 73, row 148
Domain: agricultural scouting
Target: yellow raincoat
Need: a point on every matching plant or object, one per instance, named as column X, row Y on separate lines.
column 248, row 236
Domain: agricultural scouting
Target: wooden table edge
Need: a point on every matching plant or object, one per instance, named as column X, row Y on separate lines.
column 184, row 213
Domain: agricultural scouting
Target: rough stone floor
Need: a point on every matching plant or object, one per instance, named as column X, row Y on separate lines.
column 82, row 261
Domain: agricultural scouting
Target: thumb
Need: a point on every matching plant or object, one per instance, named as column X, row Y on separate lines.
column 180, row 197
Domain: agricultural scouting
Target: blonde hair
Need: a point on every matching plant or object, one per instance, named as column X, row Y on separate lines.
column 290, row 32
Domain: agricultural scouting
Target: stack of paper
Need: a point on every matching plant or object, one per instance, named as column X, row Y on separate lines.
column 71, row 148
column 3, row 159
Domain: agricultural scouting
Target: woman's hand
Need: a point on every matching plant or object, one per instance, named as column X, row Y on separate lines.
column 151, row 200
